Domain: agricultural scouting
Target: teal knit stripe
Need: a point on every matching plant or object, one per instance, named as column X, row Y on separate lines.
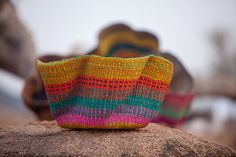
column 125, row 46
column 108, row 104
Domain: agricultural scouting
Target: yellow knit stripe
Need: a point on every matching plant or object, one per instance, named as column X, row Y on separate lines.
column 107, row 42
column 153, row 67
column 117, row 125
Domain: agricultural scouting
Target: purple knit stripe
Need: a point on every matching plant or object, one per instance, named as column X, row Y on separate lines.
column 103, row 113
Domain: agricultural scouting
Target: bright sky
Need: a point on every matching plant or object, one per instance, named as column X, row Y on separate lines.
column 184, row 26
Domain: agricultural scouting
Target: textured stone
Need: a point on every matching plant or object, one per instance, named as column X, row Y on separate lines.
column 47, row 139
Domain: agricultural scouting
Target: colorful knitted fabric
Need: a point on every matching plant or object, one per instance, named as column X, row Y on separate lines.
column 120, row 40
column 34, row 95
column 106, row 92
column 174, row 110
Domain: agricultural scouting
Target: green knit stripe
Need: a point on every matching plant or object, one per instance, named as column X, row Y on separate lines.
column 167, row 112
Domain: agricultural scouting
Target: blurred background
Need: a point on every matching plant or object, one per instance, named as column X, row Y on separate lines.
column 202, row 34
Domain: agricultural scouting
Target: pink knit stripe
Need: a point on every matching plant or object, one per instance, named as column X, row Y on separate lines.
column 177, row 101
column 116, row 118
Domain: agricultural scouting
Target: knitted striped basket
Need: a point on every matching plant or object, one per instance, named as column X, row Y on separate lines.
column 106, row 92
column 119, row 40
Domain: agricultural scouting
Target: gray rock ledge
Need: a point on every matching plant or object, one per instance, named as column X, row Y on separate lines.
column 47, row 139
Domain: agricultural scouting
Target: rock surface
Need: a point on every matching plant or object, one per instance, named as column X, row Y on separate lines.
column 47, row 139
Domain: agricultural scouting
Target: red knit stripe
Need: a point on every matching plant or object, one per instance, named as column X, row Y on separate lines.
column 105, row 84
column 177, row 101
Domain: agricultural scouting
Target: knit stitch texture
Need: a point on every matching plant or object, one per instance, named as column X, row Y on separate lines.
column 106, row 92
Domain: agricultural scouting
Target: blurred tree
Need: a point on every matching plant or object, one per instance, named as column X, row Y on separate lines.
column 222, row 81
column 226, row 58
column 16, row 46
